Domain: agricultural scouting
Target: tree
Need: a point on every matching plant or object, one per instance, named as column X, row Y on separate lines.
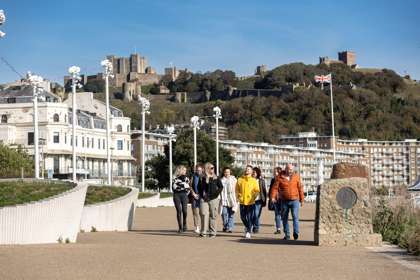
column 206, row 150
column 183, row 153
column 13, row 161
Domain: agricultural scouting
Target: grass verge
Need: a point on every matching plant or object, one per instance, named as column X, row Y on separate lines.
column 165, row 194
column 143, row 195
column 97, row 194
column 19, row 192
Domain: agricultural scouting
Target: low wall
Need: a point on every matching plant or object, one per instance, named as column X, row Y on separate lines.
column 114, row 215
column 152, row 201
column 50, row 220
column 155, row 201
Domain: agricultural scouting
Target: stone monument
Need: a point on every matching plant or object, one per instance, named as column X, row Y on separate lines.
column 344, row 209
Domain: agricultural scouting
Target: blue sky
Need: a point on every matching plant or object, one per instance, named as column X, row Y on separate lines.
column 48, row 36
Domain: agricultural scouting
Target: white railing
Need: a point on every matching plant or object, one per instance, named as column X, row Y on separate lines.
column 51, row 220
column 114, row 215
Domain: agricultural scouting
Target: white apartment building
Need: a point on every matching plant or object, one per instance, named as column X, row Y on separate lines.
column 307, row 160
column 154, row 145
column 391, row 163
column 55, row 133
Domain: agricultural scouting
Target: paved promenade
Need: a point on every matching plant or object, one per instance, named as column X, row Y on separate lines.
column 155, row 251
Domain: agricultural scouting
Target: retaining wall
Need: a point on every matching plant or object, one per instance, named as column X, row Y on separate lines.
column 114, row 215
column 50, row 220
column 155, row 201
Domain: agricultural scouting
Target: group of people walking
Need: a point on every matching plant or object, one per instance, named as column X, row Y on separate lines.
column 210, row 196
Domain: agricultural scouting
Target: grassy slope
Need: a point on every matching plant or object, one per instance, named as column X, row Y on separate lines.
column 96, row 194
column 18, row 192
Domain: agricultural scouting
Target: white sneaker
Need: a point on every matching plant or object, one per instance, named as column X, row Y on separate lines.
column 197, row 230
column 248, row 235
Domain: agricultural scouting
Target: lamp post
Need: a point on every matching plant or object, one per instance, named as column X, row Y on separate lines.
column 37, row 89
column 196, row 122
column 170, row 130
column 145, row 107
column 74, row 71
column 2, row 20
column 107, row 65
column 217, row 115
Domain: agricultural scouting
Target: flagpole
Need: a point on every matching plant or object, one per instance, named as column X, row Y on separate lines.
column 332, row 118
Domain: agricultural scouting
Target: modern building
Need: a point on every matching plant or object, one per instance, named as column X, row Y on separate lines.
column 307, row 140
column 55, row 133
column 391, row 163
column 307, row 160
column 210, row 129
column 154, row 145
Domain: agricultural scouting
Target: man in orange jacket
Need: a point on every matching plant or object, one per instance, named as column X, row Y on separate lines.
column 289, row 190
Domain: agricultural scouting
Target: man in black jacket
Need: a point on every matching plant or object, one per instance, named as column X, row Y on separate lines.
column 209, row 191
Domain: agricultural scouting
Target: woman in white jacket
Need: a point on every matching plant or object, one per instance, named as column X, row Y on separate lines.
column 228, row 201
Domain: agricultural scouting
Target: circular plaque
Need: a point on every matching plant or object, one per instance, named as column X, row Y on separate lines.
column 346, row 197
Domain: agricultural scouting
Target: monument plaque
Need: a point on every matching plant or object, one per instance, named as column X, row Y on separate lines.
column 346, row 197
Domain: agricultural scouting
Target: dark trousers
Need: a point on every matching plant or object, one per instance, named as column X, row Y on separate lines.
column 247, row 213
column 257, row 215
column 181, row 203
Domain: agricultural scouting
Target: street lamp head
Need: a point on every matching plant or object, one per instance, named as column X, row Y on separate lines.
column 196, row 122
column 145, row 104
column 107, row 65
column 170, row 129
column 217, row 110
column 2, row 17
column 34, row 80
column 74, row 70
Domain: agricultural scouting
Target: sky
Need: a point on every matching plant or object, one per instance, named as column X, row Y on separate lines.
column 47, row 36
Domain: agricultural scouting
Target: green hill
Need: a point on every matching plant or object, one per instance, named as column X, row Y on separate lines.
column 373, row 105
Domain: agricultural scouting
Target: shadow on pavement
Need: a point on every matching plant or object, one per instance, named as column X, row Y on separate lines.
column 271, row 241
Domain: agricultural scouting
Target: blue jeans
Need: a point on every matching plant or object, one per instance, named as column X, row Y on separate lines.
column 246, row 216
column 256, row 215
column 228, row 218
column 277, row 214
column 292, row 205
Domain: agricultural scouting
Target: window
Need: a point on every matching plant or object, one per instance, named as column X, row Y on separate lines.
column 11, row 100
column 56, row 118
column 93, row 143
column 128, row 146
column 56, row 164
column 3, row 118
column 119, row 145
column 30, row 138
column 83, row 141
column 103, row 144
column 87, row 142
column 120, row 168
column 119, row 128
column 99, row 143
column 56, row 137
column 65, row 138
column 65, row 118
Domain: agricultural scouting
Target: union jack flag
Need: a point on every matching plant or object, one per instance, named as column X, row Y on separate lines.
column 323, row 78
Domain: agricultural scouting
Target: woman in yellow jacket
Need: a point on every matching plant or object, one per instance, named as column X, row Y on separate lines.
column 247, row 189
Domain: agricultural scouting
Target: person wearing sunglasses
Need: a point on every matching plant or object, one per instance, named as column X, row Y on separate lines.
column 209, row 192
